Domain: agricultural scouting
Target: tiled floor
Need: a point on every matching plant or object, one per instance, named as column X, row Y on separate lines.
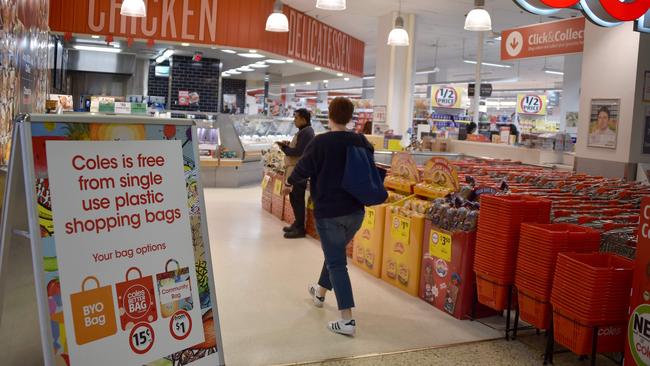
column 523, row 352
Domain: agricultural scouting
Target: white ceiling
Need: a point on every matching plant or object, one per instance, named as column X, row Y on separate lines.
column 440, row 22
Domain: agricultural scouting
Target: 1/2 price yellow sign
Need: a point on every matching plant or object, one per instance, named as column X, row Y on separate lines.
column 440, row 245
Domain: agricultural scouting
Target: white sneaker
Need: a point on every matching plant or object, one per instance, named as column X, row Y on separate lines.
column 343, row 327
column 313, row 291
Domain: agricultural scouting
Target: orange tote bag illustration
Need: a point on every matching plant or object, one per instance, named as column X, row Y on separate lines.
column 93, row 312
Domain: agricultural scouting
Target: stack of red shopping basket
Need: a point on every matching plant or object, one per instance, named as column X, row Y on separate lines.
column 497, row 241
column 539, row 246
column 591, row 290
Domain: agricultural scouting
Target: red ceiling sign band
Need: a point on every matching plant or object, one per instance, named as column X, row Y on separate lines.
column 316, row 43
column 546, row 39
column 606, row 13
column 240, row 24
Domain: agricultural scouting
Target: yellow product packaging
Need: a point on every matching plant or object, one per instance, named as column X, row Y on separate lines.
column 402, row 254
column 369, row 240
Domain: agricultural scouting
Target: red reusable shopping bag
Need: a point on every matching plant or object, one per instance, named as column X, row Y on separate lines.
column 136, row 300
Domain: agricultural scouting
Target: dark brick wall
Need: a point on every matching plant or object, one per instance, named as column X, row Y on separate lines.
column 237, row 87
column 201, row 77
column 157, row 86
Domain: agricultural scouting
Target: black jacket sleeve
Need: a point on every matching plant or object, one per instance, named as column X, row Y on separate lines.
column 304, row 138
column 306, row 167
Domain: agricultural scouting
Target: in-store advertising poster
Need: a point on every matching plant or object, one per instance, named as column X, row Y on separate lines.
column 637, row 351
column 124, row 254
column 117, row 206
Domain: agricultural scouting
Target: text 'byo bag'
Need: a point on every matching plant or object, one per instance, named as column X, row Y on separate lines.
column 174, row 289
column 136, row 300
column 93, row 313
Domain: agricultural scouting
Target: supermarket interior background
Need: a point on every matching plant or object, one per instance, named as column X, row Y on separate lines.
column 515, row 135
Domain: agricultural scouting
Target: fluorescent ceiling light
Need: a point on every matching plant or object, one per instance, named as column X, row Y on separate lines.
column 251, row 55
column 331, row 4
column 292, row 84
column 326, row 81
column 234, row 72
column 503, row 66
column 258, row 66
column 339, row 74
column 133, row 8
column 225, row 74
column 308, row 83
column 167, row 54
column 368, row 77
column 398, row 36
column 229, row 51
column 346, row 79
column 185, row 44
column 94, row 37
column 318, row 68
column 289, row 61
column 554, row 72
column 252, row 51
column 245, row 69
column 97, row 49
column 432, row 71
column 272, row 61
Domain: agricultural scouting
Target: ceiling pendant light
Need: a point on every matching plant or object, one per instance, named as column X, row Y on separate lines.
column 277, row 21
column 478, row 19
column 398, row 36
column 331, row 4
column 133, row 8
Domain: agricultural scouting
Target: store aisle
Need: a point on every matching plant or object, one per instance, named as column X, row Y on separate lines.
column 266, row 315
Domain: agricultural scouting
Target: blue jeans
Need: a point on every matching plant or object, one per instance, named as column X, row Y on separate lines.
column 335, row 234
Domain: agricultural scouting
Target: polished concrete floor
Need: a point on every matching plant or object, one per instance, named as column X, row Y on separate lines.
column 267, row 318
column 266, row 315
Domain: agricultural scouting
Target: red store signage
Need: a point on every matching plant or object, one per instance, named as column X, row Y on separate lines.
column 606, row 13
column 227, row 23
column 317, row 43
column 546, row 39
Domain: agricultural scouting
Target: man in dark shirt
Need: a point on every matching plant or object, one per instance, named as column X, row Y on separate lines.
column 293, row 152
column 338, row 214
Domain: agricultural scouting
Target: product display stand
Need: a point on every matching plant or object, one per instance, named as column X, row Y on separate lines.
column 550, row 347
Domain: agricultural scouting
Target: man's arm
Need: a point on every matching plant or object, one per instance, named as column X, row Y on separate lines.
column 306, row 165
column 304, row 138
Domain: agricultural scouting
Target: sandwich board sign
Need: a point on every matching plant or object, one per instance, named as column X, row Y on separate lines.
column 114, row 212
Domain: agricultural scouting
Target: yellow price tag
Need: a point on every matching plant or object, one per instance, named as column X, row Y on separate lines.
column 401, row 229
column 265, row 182
column 440, row 245
column 369, row 219
column 277, row 189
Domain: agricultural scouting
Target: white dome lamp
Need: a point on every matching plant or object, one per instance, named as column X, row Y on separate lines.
column 478, row 19
column 399, row 36
column 331, row 4
column 133, row 8
column 277, row 21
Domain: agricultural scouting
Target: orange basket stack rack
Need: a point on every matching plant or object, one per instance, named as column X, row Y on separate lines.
column 539, row 246
column 497, row 241
column 590, row 294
